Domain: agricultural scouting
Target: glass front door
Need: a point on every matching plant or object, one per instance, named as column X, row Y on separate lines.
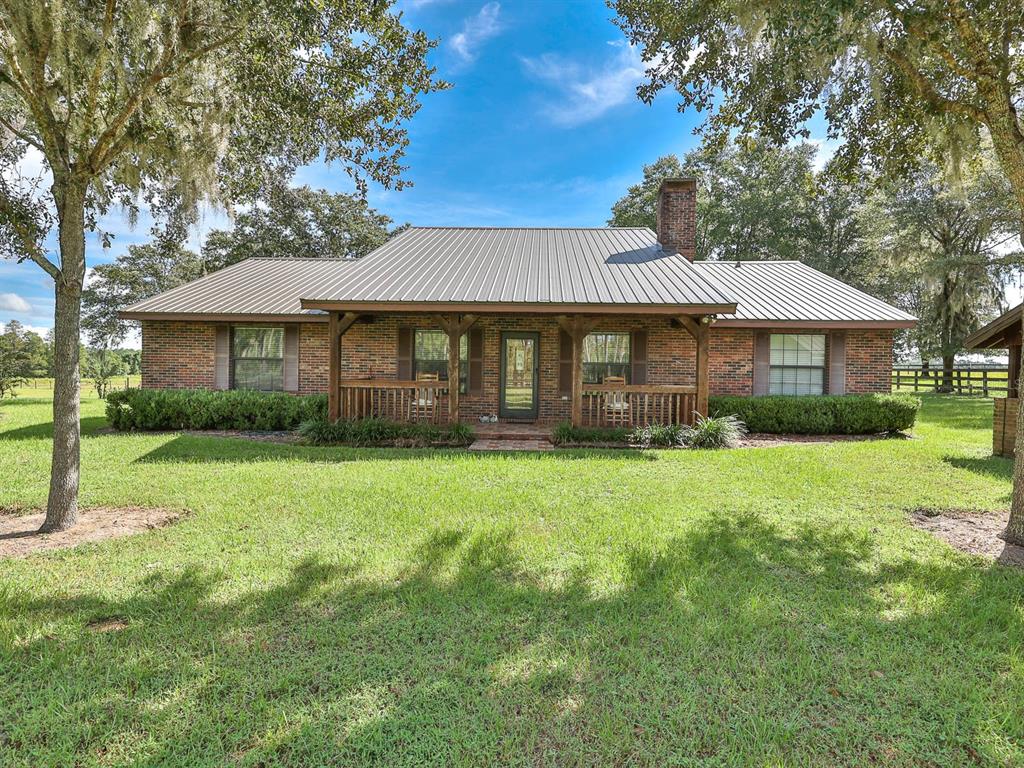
column 519, row 369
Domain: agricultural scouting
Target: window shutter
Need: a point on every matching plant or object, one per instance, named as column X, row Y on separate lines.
column 638, row 357
column 564, row 362
column 837, row 363
column 405, row 341
column 476, row 360
column 291, row 358
column 762, row 362
column 222, row 357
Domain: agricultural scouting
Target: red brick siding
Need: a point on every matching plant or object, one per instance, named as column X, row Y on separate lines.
column 181, row 355
column 868, row 361
column 177, row 355
column 677, row 217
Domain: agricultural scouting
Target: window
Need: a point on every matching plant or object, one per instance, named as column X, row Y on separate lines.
column 797, row 364
column 430, row 355
column 605, row 354
column 257, row 358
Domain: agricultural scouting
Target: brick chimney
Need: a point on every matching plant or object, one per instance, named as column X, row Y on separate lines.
column 677, row 216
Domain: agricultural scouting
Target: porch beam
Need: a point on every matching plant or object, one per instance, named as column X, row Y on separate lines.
column 577, row 327
column 455, row 326
column 337, row 324
column 700, row 329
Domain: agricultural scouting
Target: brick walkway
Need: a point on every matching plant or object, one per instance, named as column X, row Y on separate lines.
column 511, row 437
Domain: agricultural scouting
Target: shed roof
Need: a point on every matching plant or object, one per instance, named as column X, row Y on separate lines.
column 1001, row 333
column 768, row 292
column 541, row 268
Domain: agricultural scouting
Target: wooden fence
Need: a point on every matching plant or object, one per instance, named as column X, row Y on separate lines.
column 985, row 380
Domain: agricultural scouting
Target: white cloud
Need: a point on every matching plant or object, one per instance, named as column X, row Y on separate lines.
column 475, row 31
column 588, row 92
column 825, row 149
column 12, row 302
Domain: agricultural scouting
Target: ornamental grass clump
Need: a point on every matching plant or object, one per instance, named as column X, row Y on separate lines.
column 714, row 432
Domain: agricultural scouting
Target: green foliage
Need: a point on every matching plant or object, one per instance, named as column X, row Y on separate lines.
column 657, row 436
column 896, row 81
column 299, row 222
column 101, row 365
column 152, row 409
column 821, row 414
column 367, row 432
column 714, row 432
column 23, row 354
column 756, row 200
column 565, row 433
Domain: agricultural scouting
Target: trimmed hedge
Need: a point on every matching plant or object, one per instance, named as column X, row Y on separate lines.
column 821, row 414
column 566, row 434
column 381, row 432
column 159, row 409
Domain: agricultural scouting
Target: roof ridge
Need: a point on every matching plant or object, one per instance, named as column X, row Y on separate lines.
column 599, row 229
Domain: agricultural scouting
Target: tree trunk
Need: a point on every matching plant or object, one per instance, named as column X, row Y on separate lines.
column 1008, row 143
column 1015, row 527
column 946, row 385
column 62, row 504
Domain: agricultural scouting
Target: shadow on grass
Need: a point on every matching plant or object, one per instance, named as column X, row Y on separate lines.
column 998, row 467
column 201, row 449
column 735, row 643
column 90, row 425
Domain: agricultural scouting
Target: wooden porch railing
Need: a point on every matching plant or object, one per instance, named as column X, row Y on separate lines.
column 394, row 400
column 632, row 405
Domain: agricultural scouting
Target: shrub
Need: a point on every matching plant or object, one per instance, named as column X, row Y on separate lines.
column 657, row 436
column 714, row 432
column 821, row 414
column 149, row 409
column 367, row 432
column 566, row 434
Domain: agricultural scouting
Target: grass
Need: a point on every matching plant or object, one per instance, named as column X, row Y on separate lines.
column 358, row 606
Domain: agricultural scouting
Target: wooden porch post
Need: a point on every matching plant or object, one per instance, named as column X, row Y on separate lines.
column 455, row 327
column 700, row 329
column 577, row 327
column 1013, row 371
column 336, row 327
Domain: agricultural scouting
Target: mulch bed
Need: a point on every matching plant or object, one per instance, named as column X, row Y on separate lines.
column 978, row 533
column 20, row 537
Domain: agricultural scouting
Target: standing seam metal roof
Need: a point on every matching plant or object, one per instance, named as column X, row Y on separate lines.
column 613, row 267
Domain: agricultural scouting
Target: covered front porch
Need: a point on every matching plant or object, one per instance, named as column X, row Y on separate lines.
column 519, row 368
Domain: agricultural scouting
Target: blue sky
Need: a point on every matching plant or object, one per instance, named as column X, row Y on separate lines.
column 542, row 127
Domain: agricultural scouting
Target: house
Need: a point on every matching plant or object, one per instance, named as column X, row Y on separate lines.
column 1003, row 333
column 600, row 326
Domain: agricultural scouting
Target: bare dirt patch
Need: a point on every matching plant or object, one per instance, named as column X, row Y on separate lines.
column 19, row 534
column 979, row 533
column 765, row 440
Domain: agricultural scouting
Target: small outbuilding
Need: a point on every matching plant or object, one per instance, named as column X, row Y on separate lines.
column 1003, row 333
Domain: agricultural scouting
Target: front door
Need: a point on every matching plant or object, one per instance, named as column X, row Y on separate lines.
column 520, row 359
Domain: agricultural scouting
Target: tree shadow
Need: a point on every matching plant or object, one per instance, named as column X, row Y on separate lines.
column 44, row 430
column 734, row 642
column 997, row 467
column 186, row 448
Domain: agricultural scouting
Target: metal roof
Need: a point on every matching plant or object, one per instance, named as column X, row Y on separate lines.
column 256, row 286
column 509, row 269
column 1001, row 333
column 610, row 267
column 789, row 291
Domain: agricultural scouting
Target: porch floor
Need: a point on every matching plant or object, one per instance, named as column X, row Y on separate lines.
column 511, row 437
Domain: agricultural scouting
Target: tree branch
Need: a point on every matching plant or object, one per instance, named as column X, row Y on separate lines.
column 926, row 89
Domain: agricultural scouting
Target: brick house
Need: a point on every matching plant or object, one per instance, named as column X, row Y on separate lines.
column 602, row 325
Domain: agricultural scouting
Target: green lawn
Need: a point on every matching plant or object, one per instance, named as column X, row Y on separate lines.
column 346, row 607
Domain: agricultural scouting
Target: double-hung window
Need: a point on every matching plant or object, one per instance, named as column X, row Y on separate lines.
column 430, row 355
column 257, row 358
column 605, row 354
column 797, row 364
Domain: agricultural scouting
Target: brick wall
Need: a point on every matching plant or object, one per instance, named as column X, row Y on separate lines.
column 177, row 355
column 868, row 361
column 181, row 355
